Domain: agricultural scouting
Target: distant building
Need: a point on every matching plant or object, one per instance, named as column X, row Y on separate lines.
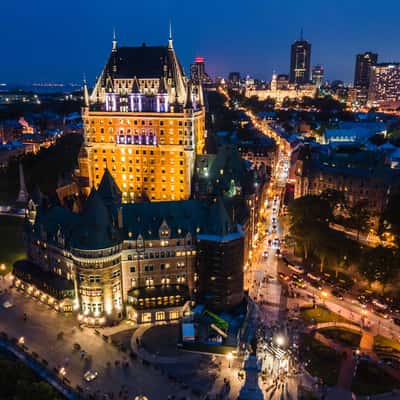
column 198, row 73
column 317, row 75
column 384, row 89
column 359, row 175
column 280, row 90
column 300, row 58
column 234, row 78
column 354, row 132
column 364, row 62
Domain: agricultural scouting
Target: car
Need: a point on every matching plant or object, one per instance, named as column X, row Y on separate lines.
column 337, row 294
column 285, row 277
column 265, row 254
column 7, row 304
column 90, row 375
column 316, row 285
column 380, row 304
column 299, row 284
column 363, row 301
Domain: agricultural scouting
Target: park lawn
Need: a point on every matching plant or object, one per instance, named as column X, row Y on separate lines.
column 343, row 336
column 18, row 381
column 320, row 315
column 370, row 380
column 12, row 245
column 320, row 360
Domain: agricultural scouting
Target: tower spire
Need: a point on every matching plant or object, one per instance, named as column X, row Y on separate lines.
column 114, row 41
column 170, row 36
column 301, row 34
column 85, row 92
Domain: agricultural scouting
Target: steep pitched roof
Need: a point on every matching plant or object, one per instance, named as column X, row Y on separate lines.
column 142, row 62
column 109, row 190
column 96, row 230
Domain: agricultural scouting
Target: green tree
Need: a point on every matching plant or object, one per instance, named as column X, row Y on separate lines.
column 359, row 217
column 379, row 264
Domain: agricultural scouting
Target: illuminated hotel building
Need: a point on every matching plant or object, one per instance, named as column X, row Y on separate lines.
column 144, row 121
column 384, row 88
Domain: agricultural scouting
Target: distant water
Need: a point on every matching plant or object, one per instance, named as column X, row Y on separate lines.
column 41, row 88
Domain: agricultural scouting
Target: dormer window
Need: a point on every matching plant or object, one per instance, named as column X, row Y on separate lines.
column 164, row 232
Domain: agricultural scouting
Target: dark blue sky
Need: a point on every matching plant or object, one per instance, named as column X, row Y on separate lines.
column 59, row 40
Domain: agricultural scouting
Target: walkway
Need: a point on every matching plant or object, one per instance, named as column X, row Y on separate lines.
column 348, row 362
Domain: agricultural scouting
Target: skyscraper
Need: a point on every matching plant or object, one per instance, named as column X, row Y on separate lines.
column 198, row 73
column 384, row 87
column 144, row 122
column 317, row 75
column 300, row 61
column 364, row 62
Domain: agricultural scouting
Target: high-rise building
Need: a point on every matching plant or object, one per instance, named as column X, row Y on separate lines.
column 234, row 78
column 198, row 73
column 364, row 62
column 144, row 121
column 317, row 75
column 384, row 87
column 300, row 58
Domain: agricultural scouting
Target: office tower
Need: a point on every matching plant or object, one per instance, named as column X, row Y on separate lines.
column 384, row 87
column 234, row 78
column 364, row 62
column 144, row 121
column 300, row 61
column 198, row 73
column 317, row 75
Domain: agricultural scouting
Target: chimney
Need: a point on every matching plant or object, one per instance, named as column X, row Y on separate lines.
column 120, row 218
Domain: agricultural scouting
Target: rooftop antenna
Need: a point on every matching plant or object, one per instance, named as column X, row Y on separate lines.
column 301, row 34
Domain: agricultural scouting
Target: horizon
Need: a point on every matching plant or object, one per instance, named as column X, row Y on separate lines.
column 45, row 48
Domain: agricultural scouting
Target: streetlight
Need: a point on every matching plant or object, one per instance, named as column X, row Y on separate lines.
column 324, row 295
column 3, row 267
column 62, row 371
column 280, row 340
column 229, row 357
column 21, row 340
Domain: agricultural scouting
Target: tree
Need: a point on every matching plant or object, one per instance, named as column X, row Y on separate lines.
column 379, row 264
column 309, row 222
column 359, row 217
column 390, row 220
column 335, row 199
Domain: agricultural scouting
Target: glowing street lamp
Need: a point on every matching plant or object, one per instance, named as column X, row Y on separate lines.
column 21, row 340
column 3, row 267
column 280, row 340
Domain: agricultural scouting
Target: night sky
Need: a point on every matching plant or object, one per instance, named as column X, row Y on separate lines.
column 48, row 40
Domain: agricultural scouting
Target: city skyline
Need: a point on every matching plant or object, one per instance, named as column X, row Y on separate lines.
column 254, row 42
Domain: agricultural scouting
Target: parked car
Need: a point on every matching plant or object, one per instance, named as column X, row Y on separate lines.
column 7, row 304
column 90, row 375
